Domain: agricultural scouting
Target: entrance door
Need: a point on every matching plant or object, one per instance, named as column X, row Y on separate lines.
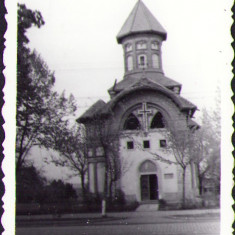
column 149, row 187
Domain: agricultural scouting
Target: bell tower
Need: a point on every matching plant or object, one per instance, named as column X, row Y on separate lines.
column 141, row 37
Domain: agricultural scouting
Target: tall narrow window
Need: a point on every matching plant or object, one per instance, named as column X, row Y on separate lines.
column 157, row 121
column 129, row 63
column 131, row 123
column 155, row 61
column 142, row 61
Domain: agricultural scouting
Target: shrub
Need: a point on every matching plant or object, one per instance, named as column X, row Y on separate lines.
column 119, row 198
column 162, row 204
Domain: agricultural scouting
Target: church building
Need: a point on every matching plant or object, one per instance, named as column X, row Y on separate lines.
column 142, row 108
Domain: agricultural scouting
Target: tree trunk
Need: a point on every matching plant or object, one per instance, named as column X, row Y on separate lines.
column 200, row 185
column 111, row 190
column 83, row 185
column 19, row 163
column 200, row 178
column 104, row 199
column 183, row 188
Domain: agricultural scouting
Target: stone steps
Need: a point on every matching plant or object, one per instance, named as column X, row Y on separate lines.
column 148, row 207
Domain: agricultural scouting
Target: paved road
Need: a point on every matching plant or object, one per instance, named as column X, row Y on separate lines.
column 160, row 223
column 211, row 228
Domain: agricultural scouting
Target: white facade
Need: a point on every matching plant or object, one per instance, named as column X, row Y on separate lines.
column 166, row 173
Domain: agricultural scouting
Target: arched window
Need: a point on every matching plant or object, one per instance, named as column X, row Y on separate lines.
column 141, row 45
column 142, row 61
column 131, row 123
column 129, row 63
column 155, row 61
column 155, row 45
column 128, row 47
column 157, row 121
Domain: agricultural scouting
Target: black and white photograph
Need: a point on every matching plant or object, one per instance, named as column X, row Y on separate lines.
column 123, row 117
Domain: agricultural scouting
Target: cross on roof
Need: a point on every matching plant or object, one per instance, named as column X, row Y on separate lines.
column 144, row 112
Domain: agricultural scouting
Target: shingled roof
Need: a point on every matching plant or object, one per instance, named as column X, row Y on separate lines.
column 193, row 124
column 141, row 20
column 155, row 77
column 145, row 83
column 95, row 109
column 103, row 109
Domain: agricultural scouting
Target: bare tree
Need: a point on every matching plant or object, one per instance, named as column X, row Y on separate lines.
column 69, row 143
column 117, row 167
column 100, row 135
column 207, row 149
column 181, row 144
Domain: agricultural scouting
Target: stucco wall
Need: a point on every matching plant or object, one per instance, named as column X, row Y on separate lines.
column 130, row 181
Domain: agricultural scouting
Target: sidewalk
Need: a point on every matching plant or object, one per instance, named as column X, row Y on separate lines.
column 152, row 215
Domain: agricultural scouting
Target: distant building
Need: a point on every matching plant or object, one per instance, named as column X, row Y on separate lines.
column 141, row 106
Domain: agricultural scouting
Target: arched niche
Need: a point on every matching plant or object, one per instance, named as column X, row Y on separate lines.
column 155, row 61
column 148, row 181
column 129, row 63
column 147, row 166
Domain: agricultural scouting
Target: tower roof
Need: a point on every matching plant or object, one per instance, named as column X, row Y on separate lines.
column 140, row 20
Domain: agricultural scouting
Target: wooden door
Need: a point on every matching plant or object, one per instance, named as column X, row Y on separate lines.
column 153, row 185
column 144, row 184
column 149, row 187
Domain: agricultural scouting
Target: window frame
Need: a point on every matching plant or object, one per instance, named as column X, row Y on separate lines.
column 128, row 47
column 141, row 43
column 146, row 142
column 142, row 66
column 130, row 147
column 163, row 145
column 155, row 43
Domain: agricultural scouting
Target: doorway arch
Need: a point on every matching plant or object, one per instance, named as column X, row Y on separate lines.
column 149, row 189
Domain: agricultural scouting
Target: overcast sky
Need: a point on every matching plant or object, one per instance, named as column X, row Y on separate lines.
column 78, row 42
